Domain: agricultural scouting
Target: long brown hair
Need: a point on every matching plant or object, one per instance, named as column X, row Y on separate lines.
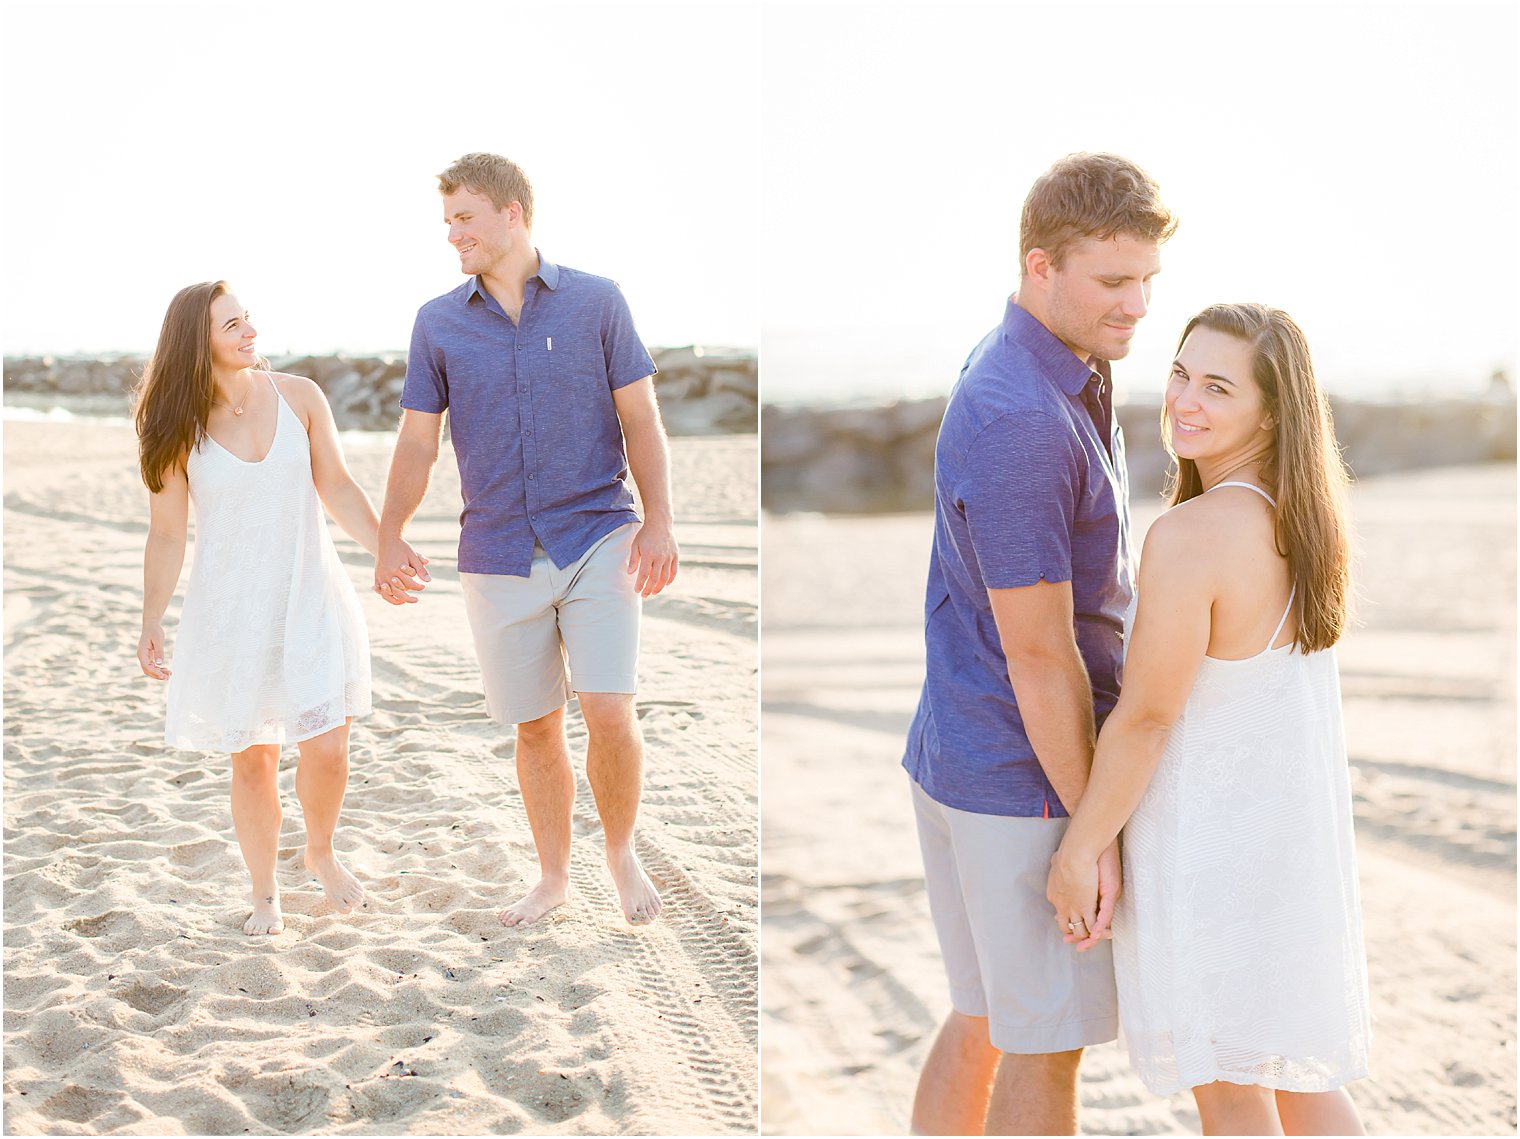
column 1303, row 469
column 173, row 399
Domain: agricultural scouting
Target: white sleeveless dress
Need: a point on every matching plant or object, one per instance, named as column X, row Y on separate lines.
column 272, row 646
column 1238, row 948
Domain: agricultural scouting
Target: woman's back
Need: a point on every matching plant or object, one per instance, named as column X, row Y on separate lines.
column 1250, row 578
column 1238, row 941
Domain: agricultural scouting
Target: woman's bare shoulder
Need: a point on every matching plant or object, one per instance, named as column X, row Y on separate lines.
column 1209, row 531
column 301, row 393
column 288, row 382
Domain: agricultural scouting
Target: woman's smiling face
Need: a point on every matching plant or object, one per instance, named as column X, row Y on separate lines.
column 232, row 335
column 1214, row 410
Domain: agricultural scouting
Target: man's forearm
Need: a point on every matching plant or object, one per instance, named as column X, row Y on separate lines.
column 406, row 487
column 649, row 463
column 1056, row 704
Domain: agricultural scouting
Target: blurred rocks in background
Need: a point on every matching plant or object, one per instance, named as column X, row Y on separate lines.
column 702, row 391
column 867, row 460
column 847, row 460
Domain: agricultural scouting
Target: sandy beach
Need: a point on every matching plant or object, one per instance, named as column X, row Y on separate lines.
column 854, row 989
column 134, row 1004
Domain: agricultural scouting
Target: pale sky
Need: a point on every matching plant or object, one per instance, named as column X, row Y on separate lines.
column 1353, row 164
column 291, row 149
column 843, row 177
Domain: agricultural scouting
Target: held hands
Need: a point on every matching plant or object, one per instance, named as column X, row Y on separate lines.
column 150, row 651
column 1083, row 892
column 400, row 571
column 654, row 557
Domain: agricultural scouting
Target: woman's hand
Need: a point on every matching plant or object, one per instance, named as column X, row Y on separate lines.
column 1083, row 891
column 150, row 651
column 400, row 572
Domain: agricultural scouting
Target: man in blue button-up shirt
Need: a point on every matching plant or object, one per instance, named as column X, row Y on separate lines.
column 1028, row 586
column 550, row 397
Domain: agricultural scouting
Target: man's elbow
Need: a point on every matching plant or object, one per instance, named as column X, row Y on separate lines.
column 1041, row 658
column 417, row 453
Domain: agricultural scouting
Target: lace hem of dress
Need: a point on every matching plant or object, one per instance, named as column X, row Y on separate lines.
column 1161, row 1074
column 200, row 735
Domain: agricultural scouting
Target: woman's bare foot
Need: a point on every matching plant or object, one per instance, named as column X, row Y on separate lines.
column 342, row 888
column 266, row 916
column 536, row 902
column 641, row 902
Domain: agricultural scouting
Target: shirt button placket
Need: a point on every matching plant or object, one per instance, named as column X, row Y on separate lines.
column 525, row 410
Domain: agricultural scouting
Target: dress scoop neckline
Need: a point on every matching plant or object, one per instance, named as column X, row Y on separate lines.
column 280, row 406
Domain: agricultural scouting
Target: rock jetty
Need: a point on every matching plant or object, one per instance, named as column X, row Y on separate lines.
column 702, row 390
column 867, row 460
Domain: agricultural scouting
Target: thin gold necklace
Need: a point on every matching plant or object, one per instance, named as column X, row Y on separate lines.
column 238, row 409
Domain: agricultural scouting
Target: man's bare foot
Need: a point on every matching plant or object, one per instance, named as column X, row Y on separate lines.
column 266, row 916
column 641, row 902
column 536, row 902
column 342, row 888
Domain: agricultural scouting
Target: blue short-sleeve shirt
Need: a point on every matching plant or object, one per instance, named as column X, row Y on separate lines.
column 535, row 429
column 1028, row 487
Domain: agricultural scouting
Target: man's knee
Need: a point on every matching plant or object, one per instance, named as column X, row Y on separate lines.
column 1051, row 1061
column 545, row 730
column 965, row 1024
column 610, row 716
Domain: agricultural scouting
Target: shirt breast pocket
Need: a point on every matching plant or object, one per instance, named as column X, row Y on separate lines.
column 572, row 361
column 1097, row 509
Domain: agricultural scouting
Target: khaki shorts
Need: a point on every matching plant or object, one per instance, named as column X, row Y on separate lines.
column 1004, row 954
column 527, row 628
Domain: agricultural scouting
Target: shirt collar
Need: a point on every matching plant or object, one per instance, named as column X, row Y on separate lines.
column 548, row 273
column 1055, row 359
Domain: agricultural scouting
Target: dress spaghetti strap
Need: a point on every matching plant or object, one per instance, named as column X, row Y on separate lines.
column 1294, row 589
column 1248, row 486
column 1283, row 620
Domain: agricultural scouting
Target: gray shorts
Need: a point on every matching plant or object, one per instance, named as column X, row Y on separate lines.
column 1004, row 954
column 527, row 629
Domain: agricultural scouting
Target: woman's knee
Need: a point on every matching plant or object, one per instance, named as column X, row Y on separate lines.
column 257, row 766
column 327, row 749
column 1225, row 1097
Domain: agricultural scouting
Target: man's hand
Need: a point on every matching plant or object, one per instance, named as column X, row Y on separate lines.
column 654, row 557
column 400, row 571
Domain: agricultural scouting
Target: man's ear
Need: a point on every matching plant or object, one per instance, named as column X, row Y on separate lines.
column 1037, row 265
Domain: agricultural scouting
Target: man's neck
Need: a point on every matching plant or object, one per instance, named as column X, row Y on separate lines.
column 1030, row 302
column 507, row 280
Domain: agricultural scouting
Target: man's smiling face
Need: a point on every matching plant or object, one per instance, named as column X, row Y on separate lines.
column 482, row 234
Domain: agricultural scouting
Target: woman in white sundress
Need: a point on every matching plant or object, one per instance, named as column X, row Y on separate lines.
column 1238, row 935
column 272, row 647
